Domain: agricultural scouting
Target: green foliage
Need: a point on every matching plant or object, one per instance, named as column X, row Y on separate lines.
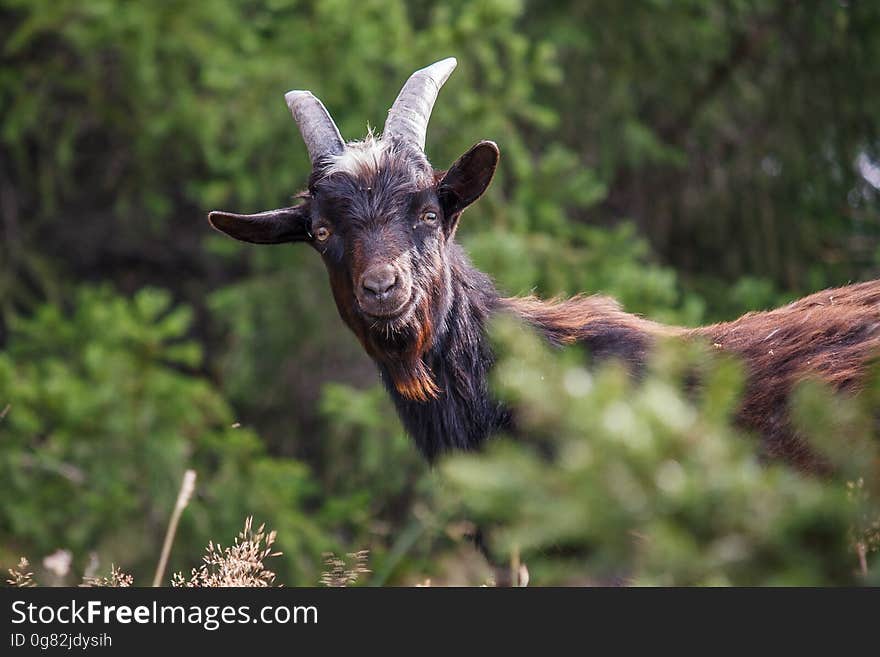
column 103, row 418
column 93, row 418
column 613, row 261
column 378, row 486
column 643, row 484
column 731, row 131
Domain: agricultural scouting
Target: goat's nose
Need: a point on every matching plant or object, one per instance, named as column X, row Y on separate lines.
column 379, row 280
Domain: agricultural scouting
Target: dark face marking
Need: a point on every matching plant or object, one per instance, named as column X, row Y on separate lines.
column 380, row 232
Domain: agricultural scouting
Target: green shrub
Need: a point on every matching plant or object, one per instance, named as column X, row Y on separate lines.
column 618, row 482
column 105, row 412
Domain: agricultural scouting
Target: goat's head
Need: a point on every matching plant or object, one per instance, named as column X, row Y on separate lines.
column 382, row 219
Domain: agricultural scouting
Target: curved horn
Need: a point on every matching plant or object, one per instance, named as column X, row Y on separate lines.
column 319, row 132
column 408, row 117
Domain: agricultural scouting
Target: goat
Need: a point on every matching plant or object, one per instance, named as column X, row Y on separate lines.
column 384, row 222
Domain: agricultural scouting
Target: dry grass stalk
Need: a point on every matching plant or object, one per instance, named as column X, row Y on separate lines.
column 117, row 579
column 344, row 572
column 241, row 564
column 187, row 487
column 20, row 576
column 865, row 535
column 519, row 572
column 862, row 551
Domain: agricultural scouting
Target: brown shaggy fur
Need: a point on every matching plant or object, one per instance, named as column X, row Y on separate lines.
column 831, row 335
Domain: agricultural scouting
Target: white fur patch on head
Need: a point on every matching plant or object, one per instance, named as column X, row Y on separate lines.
column 362, row 159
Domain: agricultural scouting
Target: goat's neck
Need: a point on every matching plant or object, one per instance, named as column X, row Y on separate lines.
column 464, row 413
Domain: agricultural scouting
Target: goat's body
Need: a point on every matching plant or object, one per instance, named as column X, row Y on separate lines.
column 831, row 335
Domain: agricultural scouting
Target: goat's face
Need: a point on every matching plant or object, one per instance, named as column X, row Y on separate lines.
column 376, row 222
column 382, row 219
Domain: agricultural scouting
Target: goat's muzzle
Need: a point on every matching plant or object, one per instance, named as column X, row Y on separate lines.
column 383, row 291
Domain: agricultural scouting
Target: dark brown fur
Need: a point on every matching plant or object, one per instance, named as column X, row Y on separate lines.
column 831, row 335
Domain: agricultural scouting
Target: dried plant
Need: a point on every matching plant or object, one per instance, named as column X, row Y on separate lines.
column 865, row 535
column 117, row 579
column 187, row 488
column 344, row 572
column 238, row 565
column 20, row 576
column 519, row 572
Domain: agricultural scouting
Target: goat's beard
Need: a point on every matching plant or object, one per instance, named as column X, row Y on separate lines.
column 400, row 345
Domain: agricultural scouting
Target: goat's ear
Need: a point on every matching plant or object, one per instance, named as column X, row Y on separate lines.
column 467, row 179
column 272, row 227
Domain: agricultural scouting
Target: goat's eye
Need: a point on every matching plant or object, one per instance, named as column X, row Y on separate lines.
column 322, row 233
column 429, row 217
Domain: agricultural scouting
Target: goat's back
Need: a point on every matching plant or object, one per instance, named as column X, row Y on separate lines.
column 831, row 335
